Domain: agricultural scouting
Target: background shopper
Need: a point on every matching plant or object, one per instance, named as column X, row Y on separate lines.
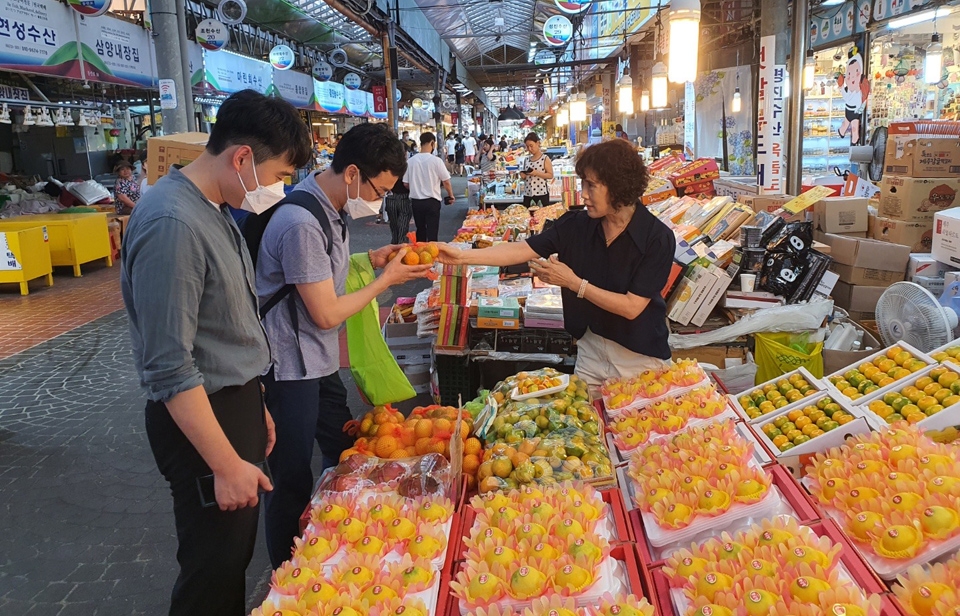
column 538, row 175
column 188, row 286
column 127, row 189
column 425, row 173
column 399, row 211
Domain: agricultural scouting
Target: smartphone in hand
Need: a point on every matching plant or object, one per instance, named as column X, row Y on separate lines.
column 208, row 495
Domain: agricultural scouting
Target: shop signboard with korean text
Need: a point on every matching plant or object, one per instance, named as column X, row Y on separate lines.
column 355, row 101
column 831, row 25
column 329, row 95
column 38, row 37
column 120, row 51
column 226, row 72
column 294, row 87
column 771, row 116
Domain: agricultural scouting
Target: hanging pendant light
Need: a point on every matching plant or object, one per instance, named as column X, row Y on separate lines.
column 933, row 62
column 809, row 70
column 626, row 95
column 684, row 40
column 578, row 108
column 736, row 104
column 645, row 101
column 658, row 86
column 563, row 117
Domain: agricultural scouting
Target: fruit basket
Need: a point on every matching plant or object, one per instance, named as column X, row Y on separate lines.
column 895, row 495
column 620, row 395
column 886, row 367
column 824, row 421
column 777, row 567
column 700, row 406
column 536, row 544
column 930, row 399
column 754, row 405
column 704, row 478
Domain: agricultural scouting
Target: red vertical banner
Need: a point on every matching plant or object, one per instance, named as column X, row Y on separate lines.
column 454, row 117
column 380, row 99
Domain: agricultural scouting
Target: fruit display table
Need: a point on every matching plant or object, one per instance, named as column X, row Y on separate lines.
column 24, row 255
column 74, row 239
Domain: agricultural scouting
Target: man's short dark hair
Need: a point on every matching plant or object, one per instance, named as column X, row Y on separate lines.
column 426, row 138
column 406, row 132
column 618, row 167
column 270, row 126
column 373, row 148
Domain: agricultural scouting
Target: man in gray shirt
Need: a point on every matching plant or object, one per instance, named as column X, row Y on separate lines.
column 304, row 391
column 188, row 285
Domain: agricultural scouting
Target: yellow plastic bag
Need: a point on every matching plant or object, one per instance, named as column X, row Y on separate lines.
column 779, row 353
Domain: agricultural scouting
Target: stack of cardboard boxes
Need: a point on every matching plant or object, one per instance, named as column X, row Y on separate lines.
column 921, row 177
column 848, row 216
column 865, row 269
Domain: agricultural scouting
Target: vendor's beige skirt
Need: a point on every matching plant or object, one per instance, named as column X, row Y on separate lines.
column 599, row 359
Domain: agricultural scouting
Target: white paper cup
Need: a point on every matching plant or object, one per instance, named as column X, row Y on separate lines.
column 747, row 281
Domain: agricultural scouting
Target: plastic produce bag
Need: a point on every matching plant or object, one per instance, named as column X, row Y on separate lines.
column 376, row 372
column 779, row 353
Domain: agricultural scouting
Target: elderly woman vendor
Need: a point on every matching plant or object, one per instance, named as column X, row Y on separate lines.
column 611, row 261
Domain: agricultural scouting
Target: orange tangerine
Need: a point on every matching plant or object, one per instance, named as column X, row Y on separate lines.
column 892, row 351
column 794, row 415
column 923, row 382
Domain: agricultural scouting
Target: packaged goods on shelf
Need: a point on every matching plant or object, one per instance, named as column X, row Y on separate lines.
column 622, row 394
column 894, row 495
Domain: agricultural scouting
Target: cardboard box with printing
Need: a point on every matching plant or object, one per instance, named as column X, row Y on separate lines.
column 946, row 237
column 168, row 150
column 917, row 235
column 867, row 262
column 917, row 199
column 840, row 215
column 923, row 149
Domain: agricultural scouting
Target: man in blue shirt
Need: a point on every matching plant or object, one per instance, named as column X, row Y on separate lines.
column 304, row 391
column 188, row 285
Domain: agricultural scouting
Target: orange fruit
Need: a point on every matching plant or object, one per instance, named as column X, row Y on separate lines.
column 433, row 249
column 473, row 446
column 347, row 453
column 442, row 427
column 382, row 417
column 386, row 445
column 411, row 451
column 425, row 258
column 485, row 470
column 470, row 464
column 916, row 417
column 423, row 428
column 408, row 436
column 398, row 453
column 501, row 467
column 488, row 484
column 438, row 445
column 800, row 422
column 794, row 415
column 464, row 430
column 422, row 446
column 411, row 258
column 519, row 458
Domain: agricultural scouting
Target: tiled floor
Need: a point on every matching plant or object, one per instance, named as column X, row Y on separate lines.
column 26, row 321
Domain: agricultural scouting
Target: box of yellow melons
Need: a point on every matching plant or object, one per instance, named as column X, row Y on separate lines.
column 929, row 398
column 888, row 367
column 785, row 392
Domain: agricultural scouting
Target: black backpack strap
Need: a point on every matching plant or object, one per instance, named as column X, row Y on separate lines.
column 310, row 203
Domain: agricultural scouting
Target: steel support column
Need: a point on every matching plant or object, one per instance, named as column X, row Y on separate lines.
column 794, row 126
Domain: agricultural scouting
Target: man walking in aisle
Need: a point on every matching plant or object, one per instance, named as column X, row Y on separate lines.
column 469, row 148
column 425, row 173
column 450, row 149
column 308, row 258
column 188, row 286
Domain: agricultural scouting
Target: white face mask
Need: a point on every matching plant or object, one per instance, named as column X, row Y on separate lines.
column 360, row 208
column 261, row 198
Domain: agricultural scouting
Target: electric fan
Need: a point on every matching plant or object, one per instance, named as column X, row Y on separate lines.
column 908, row 312
column 879, row 142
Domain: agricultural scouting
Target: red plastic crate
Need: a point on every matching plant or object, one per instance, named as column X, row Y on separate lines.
column 643, row 548
column 638, row 579
column 614, row 498
column 807, row 512
column 661, row 588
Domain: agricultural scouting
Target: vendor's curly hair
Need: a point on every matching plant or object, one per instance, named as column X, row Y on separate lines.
column 618, row 167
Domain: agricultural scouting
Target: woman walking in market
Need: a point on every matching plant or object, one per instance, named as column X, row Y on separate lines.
column 399, row 212
column 611, row 260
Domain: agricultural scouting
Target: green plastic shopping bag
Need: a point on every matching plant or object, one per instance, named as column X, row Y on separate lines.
column 379, row 378
column 779, row 353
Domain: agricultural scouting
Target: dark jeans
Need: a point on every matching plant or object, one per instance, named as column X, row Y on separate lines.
column 426, row 215
column 303, row 411
column 214, row 547
column 400, row 213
